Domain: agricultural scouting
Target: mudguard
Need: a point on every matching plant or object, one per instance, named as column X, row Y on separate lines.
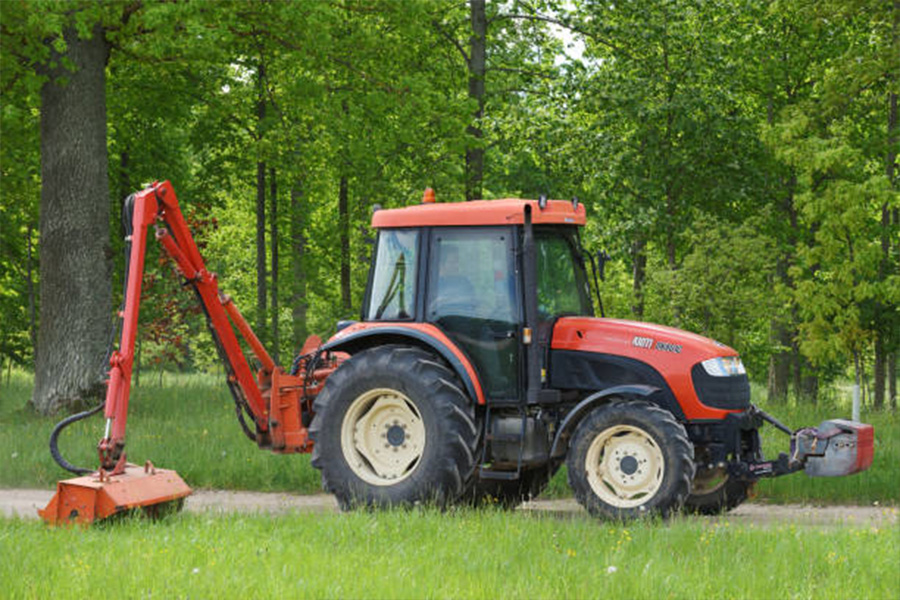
column 582, row 408
column 361, row 336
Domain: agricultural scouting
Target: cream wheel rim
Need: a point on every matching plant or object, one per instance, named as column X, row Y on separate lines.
column 383, row 436
column 625, row 466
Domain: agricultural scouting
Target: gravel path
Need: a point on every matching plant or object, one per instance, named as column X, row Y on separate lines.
column 25, row 502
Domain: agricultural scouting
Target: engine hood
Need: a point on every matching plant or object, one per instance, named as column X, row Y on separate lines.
column 644, row 341
column 671, row 353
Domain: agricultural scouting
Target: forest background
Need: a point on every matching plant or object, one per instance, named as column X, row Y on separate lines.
column 738, row 161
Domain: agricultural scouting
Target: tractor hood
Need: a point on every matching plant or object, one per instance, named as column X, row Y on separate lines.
column 643, row 341
column 671, row 352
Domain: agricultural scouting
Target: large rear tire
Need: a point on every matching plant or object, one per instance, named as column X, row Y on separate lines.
column 630, row 459
column 392, row 427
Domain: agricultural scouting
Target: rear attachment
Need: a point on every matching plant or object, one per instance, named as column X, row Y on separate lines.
column 835, row 448
column 101, row 495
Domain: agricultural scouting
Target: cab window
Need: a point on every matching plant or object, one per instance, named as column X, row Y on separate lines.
column 562, row 283
column 393, row 291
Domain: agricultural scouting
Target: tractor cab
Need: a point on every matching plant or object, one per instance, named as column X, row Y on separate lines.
column 463, row 268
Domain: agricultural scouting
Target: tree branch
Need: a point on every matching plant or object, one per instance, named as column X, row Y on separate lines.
column 539, row 74
column 456, row 43
column 569, row 26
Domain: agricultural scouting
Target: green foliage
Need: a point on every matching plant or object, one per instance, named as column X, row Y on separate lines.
column 834, row 142
column 719, row 289
column 738, row 151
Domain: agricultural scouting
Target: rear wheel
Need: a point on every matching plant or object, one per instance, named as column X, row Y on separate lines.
column 629, row 459
column 392, row 427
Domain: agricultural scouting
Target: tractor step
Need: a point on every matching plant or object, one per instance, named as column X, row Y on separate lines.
column 499, row 475
column 515, row 436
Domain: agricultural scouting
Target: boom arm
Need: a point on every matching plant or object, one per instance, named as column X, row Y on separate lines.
column 277, row 402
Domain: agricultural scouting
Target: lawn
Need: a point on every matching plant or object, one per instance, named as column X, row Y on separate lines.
column 188, row 424
column 458, row 554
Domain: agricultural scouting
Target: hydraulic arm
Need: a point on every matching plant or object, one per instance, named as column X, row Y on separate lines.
column 278, row 404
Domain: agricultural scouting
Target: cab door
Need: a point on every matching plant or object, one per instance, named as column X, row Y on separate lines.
column 473, row 296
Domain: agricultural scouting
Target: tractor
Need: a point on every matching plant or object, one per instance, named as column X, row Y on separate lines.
column 475, row 371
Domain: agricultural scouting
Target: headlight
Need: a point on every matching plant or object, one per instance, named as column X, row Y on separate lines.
column 724, row 366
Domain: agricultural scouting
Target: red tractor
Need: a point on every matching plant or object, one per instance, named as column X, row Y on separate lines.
column 476, row 370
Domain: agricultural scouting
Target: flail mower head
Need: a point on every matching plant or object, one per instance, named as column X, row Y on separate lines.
column 101, row 495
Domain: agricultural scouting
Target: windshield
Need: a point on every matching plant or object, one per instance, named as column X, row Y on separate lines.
column 394, row 277
column 562, row 282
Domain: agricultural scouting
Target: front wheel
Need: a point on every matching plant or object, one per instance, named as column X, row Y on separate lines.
column 714, row 492
column 392, row 427
column 630, row 459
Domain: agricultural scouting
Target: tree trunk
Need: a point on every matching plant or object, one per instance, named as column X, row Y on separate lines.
column 75, row 273
column 273, row 219
column 783, row 326
column 299, row 302
column 878, row 372
column 477, row 62
column 136, row 369
column 261, row 211
column 125, row 187
column 892, row 378
column 344, row 218
column 780, row 361
column 639, row 275
column 856, row 382
column 671, row 242
column 32, row 304
column 882, row 357
column 809, row 382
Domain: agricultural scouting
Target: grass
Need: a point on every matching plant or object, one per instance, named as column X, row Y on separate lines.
column 188, row 424
column 428, row 554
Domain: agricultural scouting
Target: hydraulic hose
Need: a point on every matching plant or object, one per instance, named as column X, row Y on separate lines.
column 54, row 439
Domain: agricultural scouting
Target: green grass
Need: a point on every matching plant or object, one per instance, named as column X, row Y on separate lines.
column 188, row 425
column 427, row 554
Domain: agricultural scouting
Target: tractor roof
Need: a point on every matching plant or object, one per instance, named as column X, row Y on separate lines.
column 508, row 211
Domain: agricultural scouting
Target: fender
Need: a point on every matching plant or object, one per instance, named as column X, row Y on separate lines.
column 582, row 408
column 360, row 336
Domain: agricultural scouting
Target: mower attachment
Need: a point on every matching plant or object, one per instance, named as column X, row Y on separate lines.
column 100, row 495
column 834, row 448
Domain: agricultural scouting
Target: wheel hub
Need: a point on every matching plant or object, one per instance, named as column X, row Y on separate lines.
column 628, row 465
column 396, row 434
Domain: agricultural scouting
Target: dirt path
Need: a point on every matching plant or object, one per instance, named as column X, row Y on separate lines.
column 25, row 502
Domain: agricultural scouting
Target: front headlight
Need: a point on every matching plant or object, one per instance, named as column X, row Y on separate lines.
column 724, row 366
